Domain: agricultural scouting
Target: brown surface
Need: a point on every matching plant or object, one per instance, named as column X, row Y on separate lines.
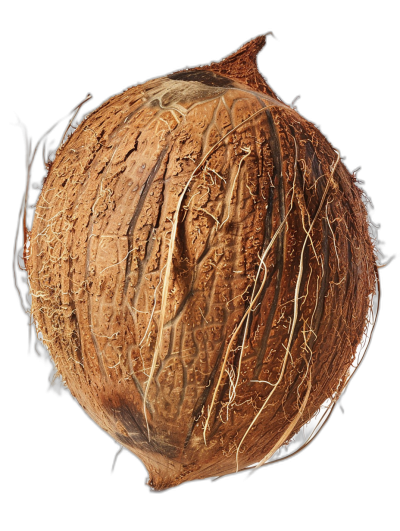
column 98, row 258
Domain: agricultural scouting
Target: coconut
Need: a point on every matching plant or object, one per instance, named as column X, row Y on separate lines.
column 201, row 269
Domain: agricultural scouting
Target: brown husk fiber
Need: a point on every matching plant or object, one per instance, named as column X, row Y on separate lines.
column 201, row 269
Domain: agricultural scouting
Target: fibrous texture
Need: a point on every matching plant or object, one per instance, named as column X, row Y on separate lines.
column 201, row 269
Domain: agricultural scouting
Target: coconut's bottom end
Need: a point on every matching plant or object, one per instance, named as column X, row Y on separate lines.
column 164, row 473
column 158, row 480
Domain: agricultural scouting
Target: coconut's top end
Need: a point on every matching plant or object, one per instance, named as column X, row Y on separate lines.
column 242, row 66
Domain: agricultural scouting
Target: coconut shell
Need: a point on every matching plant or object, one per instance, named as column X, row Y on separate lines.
column 201, row 269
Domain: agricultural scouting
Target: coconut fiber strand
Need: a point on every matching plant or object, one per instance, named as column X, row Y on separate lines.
column 201, row 269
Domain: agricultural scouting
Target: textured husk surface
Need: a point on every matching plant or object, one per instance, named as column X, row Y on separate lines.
column 201, row 269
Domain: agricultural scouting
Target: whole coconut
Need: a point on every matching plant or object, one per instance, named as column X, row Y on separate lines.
column 201, row 269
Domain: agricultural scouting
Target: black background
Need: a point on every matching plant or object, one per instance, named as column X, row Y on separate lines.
column 343, row 68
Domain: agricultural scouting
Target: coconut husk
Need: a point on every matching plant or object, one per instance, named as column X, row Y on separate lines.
column 201, row 269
